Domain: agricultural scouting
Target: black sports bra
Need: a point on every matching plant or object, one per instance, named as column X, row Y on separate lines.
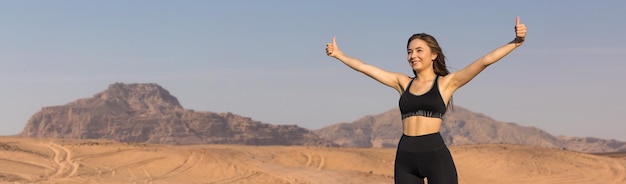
column 429, row 104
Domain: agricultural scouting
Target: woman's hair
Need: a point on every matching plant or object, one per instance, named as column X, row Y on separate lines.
column 439, row 63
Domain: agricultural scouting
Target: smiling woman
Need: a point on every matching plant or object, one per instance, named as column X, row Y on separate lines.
column 424, row 100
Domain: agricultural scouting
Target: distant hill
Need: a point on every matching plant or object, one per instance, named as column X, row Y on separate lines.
column 148, row 113
column 460, row 127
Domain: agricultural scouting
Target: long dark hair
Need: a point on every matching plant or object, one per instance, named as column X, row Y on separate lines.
column 439, row 63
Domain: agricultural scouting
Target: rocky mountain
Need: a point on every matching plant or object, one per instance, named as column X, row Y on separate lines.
column 147, row 113
column 460, row 126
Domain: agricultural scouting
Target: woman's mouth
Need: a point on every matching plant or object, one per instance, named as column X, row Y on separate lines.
column 413, row 62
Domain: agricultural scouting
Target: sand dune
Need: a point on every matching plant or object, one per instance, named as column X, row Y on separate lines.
column 25, row 160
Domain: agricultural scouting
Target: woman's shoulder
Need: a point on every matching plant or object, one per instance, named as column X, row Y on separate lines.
column 403, row 80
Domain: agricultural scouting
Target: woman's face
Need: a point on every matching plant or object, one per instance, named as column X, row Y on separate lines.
column 419, row 55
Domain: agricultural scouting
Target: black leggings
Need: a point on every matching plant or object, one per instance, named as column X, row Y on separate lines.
column 424, row 156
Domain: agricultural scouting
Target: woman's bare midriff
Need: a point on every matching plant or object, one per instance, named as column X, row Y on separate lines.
column 420, row 125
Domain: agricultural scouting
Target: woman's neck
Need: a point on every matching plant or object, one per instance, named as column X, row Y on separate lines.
column 426, row 75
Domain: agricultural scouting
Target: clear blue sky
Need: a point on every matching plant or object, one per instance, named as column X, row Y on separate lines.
column 266, row 60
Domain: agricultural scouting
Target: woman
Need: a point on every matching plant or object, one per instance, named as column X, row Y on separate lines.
column 424, row 99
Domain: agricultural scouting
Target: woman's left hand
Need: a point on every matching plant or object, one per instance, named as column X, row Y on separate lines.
column 520, row 33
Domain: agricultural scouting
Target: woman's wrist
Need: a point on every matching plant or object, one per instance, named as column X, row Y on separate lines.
column 517, row 41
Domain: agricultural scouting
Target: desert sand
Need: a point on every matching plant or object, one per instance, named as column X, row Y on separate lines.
column 28, row 160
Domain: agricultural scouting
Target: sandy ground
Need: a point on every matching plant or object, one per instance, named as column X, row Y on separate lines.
column 26, row 160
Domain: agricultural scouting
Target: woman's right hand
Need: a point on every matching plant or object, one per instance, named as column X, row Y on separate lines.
column 332, row 49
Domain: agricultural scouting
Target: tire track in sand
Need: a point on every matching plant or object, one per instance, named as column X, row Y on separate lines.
column 8, row 165
column 192, row 160
column 65, row 165
column 620, row 171
column 26, row 163
column 225, row 161
column 316, row 160
column 247, row 174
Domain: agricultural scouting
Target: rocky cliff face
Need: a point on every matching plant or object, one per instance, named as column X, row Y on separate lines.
column 148, row 113
column 460, row 126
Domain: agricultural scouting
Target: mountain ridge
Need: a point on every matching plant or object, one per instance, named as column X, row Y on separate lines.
column 460, row 126
column 148, row 113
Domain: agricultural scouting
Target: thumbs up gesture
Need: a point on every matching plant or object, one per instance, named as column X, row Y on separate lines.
column 332, row 49
column 520, row 32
